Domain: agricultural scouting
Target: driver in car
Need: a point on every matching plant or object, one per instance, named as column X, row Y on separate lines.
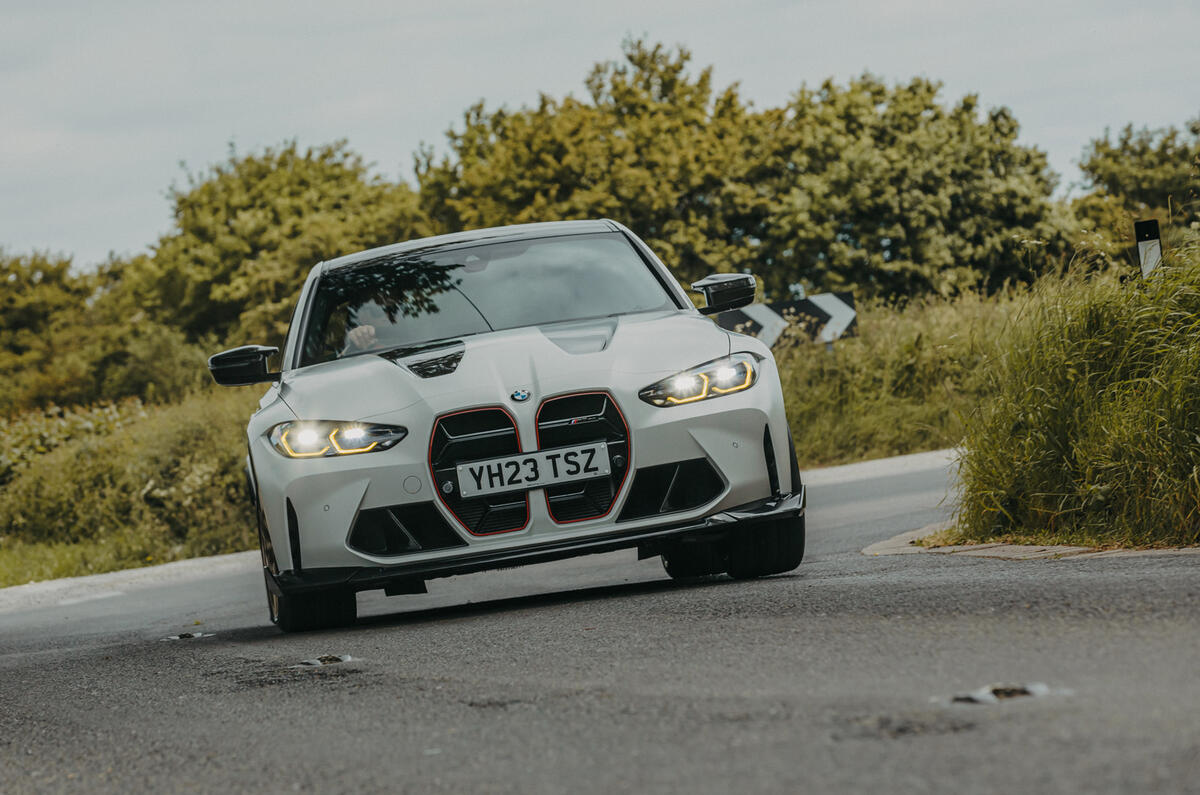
column 364, row 322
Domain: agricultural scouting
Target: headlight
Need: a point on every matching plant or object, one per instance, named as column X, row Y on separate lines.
column 712, row 379
column 319, row 438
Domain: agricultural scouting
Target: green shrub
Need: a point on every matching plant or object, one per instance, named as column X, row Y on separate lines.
column 165, row 484
column 34, row 433
column 1091, row 429
column 92, row 361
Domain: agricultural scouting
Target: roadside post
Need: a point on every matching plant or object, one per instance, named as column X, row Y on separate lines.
column 825, row 316
column 1149, row 245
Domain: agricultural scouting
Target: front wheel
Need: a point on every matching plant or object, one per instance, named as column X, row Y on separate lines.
column 766, row 548
column 301, row 612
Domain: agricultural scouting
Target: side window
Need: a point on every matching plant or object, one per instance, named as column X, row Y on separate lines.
column 334, row 338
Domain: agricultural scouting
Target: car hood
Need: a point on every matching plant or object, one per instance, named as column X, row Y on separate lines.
column 545, row 360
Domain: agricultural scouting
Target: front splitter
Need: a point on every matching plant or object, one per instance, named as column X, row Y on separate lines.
column 368, row 578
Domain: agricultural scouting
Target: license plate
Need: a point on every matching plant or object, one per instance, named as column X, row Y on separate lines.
column 533, row 470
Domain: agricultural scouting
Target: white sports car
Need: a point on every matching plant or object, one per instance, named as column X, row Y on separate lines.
column 509, row 396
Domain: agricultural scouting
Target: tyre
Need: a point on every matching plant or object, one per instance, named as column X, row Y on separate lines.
column 301, row 612
column 766, row 548
column 769, row 547
column 684, row 561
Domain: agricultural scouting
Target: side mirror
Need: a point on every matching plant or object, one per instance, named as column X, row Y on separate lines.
column 724, row 291
column 242, row 366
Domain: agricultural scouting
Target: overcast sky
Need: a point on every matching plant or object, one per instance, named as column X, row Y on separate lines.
column 102, row 101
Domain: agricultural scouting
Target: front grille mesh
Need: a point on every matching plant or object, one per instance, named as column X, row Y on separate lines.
column 579, row 419
column 471, row 436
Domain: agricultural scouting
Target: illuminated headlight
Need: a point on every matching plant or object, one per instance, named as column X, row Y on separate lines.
column 712, row 379
column 318, row 439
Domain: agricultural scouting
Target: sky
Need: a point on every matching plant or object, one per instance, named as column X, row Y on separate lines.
column 105, row 106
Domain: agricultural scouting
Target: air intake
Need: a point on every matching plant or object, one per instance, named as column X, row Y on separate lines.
column 670, row 488
column 402, row 530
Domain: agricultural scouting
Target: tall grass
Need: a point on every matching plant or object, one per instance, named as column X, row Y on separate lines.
column 900, row 386
column 1090, row 432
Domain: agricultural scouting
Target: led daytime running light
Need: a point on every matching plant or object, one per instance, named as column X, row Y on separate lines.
column 336, row 432
column 703, row 393
column 324, row 438
column 283, row 442
column 709, row 380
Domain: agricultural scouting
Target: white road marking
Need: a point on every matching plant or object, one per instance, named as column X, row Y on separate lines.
column 864, row 511
column 52, row 593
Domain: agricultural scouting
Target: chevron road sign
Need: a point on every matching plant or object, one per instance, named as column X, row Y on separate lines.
column 1149, row 245
column 825, row 317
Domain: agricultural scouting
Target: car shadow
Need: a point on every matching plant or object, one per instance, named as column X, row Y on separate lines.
column 508, row 604
column 533, row 601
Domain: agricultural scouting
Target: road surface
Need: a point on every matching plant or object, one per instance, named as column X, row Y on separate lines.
column 600, row 675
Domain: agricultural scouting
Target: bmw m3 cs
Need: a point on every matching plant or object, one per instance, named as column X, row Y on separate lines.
column 508, row 396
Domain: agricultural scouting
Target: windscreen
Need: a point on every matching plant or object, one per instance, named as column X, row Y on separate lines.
column 412, row 298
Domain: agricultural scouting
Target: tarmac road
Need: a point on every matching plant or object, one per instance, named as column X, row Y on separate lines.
column 600, row 675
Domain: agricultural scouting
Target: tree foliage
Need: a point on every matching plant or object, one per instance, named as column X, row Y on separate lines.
column 39, row 292
column 868, row 186
column 1147, row 171
column 654, row 148
column 69, row 338
column 884, row 190
column 247, row 232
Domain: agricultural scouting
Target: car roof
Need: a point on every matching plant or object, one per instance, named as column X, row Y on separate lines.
column 490, row 235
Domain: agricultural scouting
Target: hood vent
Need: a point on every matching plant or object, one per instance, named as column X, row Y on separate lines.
column 439, row 365
column 418, row 361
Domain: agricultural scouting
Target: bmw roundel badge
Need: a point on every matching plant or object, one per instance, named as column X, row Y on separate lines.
column 520, row 395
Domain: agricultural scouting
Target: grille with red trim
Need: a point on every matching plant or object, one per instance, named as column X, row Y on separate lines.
column 579, row 419
column 470, row 436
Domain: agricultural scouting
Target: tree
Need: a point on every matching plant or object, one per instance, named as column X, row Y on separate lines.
column 70, row 338
column 654, row 148
column 247, row 232
column 38, row 292
column 1145, row 171
column 879, row 189
column 886, row 191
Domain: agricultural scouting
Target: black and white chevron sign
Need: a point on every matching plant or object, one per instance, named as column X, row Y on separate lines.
column 825, row 317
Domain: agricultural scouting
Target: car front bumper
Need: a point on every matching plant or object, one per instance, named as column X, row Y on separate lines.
column 409, row 577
